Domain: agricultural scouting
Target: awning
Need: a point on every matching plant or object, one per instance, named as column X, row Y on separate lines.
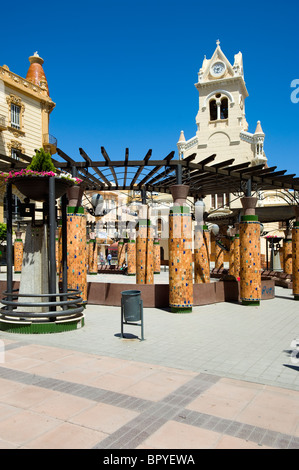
column 114, row 246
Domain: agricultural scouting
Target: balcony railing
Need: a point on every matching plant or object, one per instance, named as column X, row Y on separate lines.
column 50, row 143
column 3, row 125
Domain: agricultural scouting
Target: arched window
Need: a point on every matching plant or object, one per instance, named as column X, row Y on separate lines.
column 224, row 108
column 213, row 110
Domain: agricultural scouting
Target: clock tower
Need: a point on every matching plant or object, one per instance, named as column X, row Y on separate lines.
column 221, row 123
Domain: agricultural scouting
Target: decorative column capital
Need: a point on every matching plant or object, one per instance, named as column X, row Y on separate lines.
column 249, row 204
column 179, row 193
column 74, row 194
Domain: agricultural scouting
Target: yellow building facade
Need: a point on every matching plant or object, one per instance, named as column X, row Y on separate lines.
column 25, row 108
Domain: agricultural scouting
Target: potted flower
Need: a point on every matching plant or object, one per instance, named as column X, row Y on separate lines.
column 33, row 181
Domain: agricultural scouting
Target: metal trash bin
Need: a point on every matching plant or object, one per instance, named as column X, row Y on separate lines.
column 131, row 309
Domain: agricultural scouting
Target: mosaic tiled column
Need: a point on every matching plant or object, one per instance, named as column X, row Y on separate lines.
column 201, row 255
column 207, row 238
column 250, row 272
column 141, row 247
column 131, row 257
column 231, row 268
column 92, row 257
column 76, row 249
column 180, row 252
column 149, row 255
column 59, row 252
column 219, row 257
column 18, row 253
column 287, row 253
column 237, row 253
column 121, row 253
column 157, row 257
column 295, row 258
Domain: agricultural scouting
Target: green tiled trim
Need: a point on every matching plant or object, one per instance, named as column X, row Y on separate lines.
column 251, row 302
column 181, row 309
column 142, row 222
column 296, row 296
column 75, row 210
column 41, row 328
column 179, row 210
column 296, row 224
column 247, row 218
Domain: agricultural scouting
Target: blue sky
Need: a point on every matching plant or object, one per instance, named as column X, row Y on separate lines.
column 122, row 73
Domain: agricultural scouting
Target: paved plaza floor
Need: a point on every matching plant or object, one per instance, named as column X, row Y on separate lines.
column 225, row 376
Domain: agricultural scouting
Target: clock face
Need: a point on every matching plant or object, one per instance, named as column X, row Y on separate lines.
column 218, row 69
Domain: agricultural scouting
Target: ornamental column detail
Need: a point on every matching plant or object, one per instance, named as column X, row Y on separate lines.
column 92, row 257
column 18, row 253
column 141, row 246
column 295, row 258
column 201, row 255
column 250, row 273
column 76, row 245
column 231, row 268
column 150, row 254
column 157, row 257
column 131, row 257
column 237, row 252
column 287, row 252
column 121, row 253
column 180, row 252
column 219, row 256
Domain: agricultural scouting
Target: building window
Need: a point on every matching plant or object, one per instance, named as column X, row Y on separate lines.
column 213, row 110
column 15, row 116
column 16, row 110
column 218, row 108
column 219, row 200
column 224, row 108
column 14, row 154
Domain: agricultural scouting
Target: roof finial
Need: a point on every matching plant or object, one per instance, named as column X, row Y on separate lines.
column 218, row 42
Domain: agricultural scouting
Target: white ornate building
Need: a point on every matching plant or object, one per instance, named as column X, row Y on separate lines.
column 221, row 123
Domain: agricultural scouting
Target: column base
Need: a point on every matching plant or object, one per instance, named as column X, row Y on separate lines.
column 157, row 272
column 296, row 296
column 251, row 302
column 181, row 309
column 17, row 272
column 92, row 274
column 20, row 327
column 131, row 274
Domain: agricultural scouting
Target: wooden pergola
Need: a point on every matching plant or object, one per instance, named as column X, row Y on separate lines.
column 203, row 178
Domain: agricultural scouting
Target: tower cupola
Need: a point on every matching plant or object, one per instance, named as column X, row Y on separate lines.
column 36, row 72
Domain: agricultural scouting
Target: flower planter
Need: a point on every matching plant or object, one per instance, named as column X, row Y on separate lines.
column 37, row 187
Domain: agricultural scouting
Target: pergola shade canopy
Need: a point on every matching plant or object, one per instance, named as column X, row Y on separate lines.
column 203, row 178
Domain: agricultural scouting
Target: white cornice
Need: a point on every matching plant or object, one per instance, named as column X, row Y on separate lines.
column 212, row 83
column 22, row 85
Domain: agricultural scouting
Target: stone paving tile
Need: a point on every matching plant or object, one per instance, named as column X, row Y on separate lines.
column 66, row 436
column 69, row 385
